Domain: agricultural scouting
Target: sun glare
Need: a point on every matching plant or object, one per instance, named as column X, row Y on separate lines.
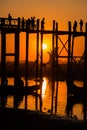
column 44, row 46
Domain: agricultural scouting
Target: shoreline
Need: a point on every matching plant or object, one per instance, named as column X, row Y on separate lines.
column 12, row 119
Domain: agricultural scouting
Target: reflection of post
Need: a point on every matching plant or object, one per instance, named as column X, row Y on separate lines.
column 69, row 106
column 3, row 96
column 17, row 100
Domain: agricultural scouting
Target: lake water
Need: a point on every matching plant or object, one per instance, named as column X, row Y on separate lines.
column 77, row 108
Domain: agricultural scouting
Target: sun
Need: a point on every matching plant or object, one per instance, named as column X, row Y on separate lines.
column 44, row 46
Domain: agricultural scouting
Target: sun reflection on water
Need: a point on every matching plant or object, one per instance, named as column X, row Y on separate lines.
column 44, row 87
column 47, row 98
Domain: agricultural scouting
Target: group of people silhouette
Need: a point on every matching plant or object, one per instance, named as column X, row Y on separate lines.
column 30, row 23
column 75, row 25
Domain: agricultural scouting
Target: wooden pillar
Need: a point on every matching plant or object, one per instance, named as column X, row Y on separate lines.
column 53, row 69
column 69, row 58
column 56, row 98
column 37, row 61
column 3, row 56
column 85, row 76
column 26, row 65
column 85, row 63
column 41, row 66
column 16, row 70
column 69, row 53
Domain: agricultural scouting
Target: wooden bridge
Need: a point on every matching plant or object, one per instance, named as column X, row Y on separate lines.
column 32, row 25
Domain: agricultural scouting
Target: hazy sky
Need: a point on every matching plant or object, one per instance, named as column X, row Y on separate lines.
column 61, row 10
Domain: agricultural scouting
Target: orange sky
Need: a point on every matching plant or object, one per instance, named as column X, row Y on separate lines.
column 60, row 10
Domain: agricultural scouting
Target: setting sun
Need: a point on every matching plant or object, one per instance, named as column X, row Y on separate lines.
column 44, row 46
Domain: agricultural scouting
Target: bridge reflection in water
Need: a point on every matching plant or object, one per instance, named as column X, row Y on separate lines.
column 75, row 109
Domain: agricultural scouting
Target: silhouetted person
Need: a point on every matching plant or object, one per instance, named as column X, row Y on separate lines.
column 3, row 95
column 3, row 21
column 18, row 96
column 81, row 25
column 9, row 18
column 5, row 83
column 43, row 22
column 18, row 22
column 33, row 22
column 28, row 23
column 20, row 83
column 75, row 26
column 22, row 22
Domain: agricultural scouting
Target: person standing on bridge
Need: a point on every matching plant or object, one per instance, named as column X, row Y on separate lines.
column 81, row 25
column 9, row 18
column 75, row 26
column 43, row 22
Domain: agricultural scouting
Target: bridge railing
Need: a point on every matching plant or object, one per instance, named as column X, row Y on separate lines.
column 19, row 23
column 9, row 23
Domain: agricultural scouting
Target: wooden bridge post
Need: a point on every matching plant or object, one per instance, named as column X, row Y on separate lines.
column 85, row 64
column 3, row 56
column 37, row 60
column 69, row 74
column 16, row 72
column 41, row 66
column 53, row 69
column 85, row 76
column 56, row 98
column 26, row 64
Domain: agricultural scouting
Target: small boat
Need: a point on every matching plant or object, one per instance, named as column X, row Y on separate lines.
column 12, row 90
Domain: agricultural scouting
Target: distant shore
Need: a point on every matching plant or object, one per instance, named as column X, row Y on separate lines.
column 47, row 71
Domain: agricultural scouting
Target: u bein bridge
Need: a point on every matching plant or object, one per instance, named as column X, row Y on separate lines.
column 31, row 25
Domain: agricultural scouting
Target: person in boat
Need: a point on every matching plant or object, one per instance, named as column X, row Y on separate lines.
column 20, row 83
column 3, row 97
column 18, row 97
column 5, row 83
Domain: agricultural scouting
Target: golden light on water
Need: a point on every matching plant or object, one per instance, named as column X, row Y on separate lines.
column 44, row 87
column 77, row 109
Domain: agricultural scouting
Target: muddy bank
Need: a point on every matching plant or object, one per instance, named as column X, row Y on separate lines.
column 18, row 119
